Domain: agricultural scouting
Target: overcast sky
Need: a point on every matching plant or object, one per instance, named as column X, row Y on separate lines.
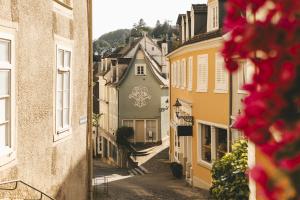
column 110, row 15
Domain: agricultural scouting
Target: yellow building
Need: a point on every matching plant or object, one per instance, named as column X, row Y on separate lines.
column 199, row 89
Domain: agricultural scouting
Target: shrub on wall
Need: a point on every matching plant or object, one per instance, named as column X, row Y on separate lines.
column 230, row 180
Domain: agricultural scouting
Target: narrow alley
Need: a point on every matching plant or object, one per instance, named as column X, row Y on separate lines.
column 157, row 184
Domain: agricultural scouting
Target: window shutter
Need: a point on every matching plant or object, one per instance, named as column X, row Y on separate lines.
column 202, row 72
column 184, row 73
column 221, row 74
column 190, row 73
column 178, row 74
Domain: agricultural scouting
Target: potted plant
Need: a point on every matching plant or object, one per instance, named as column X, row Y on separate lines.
column 176, row 169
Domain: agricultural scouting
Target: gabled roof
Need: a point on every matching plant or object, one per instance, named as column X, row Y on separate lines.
column 179, row 19
column 130, row 46
column 154, row 68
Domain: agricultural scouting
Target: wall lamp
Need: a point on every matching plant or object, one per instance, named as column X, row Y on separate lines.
column 186, row 118
column 165, row 108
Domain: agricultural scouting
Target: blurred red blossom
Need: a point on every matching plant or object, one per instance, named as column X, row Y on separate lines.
column 271, row 117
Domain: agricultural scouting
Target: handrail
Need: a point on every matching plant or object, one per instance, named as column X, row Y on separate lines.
column 22, row 182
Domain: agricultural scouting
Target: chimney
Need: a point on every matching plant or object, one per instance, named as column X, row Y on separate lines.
column 198, row 19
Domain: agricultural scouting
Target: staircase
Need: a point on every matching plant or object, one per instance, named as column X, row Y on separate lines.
column 19, row 190
column 139, row 170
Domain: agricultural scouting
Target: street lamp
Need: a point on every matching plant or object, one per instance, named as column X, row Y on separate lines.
column 186, row 118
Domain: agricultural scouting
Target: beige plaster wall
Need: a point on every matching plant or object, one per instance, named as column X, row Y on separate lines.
column 57, row 168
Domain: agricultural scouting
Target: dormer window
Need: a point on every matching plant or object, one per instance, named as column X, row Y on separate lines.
column 140, row 70
column 213, row 16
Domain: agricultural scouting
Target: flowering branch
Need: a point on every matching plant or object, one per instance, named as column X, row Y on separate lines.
column 267, row 33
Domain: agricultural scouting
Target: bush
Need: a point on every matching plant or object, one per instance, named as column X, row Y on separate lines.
column 176, row 169
column 229, row 174
column 123, row 133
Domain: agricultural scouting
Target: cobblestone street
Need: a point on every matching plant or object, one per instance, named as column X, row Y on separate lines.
column 159, row 184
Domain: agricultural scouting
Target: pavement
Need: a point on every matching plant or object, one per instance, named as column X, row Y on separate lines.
column 157, row 184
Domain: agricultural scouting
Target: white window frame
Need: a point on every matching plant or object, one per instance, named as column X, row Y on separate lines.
column 244, row 69
column 178, row 74
column 66, row 45
column 220, row 74
column 213, row 16
column 190, row 73
column 213, row 127
column 8, row 153
column 145, row 131
column 173, row 74
column 143, row 66
column 63, row 10
column 183, row 73
column 202, row 72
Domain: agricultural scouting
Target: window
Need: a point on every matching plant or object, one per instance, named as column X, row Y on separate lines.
column 183, row 73
column 67, row 3
column 202, row 78
column 177, row 75
column 213, row 16
column 221, row 80
column 206, row 143
column 245, row 75
column 213, row 143
column 221, row 142
column 151, row 130
column 63, row 89
column 140, row 70
column 7, row 105
column 190, row 72
column 173, row 74
column 129, row 123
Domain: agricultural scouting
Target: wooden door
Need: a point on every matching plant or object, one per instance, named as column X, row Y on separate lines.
column 139, row 131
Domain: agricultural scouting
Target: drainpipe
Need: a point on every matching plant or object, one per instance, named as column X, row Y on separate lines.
column 230, row 110
column 89, row 146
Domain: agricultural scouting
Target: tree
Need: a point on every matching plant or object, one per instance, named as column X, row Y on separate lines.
column 123, row 134
column 270, row 40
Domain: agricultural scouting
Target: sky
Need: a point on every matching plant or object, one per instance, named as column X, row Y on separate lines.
column 110, row 15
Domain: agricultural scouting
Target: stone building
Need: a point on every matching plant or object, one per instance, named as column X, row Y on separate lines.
column 44, row 61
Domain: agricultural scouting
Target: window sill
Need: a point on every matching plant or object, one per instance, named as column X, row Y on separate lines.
column 7, row 155
column 220, row 91
column 63, row 9
column 205, row 164
column 202, row 90
column 62, row 135
column 242, row 92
